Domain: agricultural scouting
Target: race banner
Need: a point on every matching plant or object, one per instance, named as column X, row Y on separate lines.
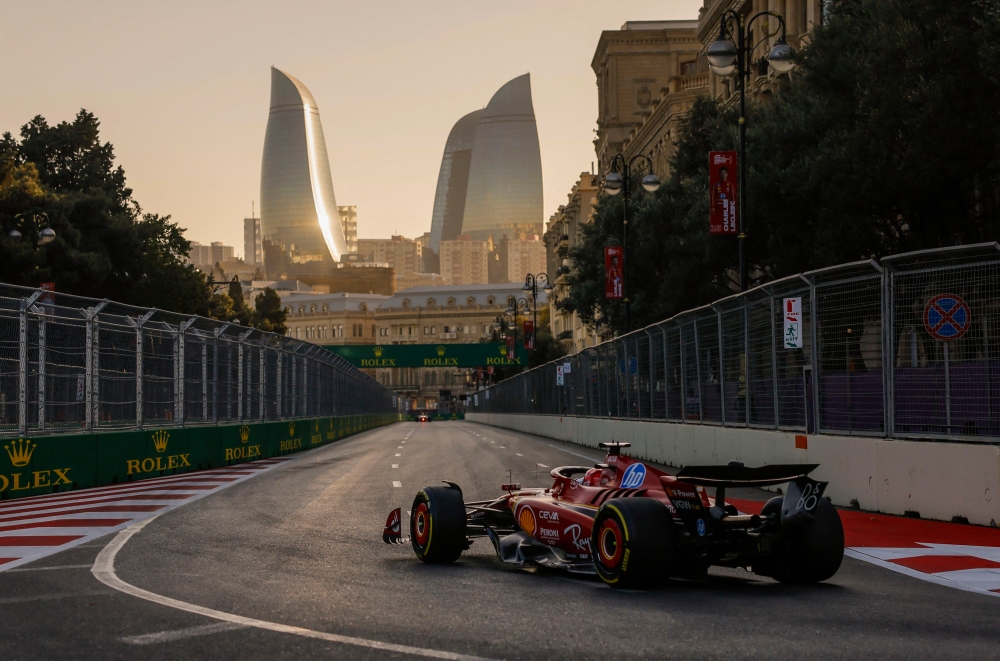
column 614, row 272
column 529, row 335
column 723, row 184
column 511, row 347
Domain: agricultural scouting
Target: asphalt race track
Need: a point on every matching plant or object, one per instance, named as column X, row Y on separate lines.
column 290, row 565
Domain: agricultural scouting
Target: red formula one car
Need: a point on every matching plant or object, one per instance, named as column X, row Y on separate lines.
column 634, row 525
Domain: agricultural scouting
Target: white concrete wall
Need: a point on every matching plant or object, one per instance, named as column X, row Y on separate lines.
column 937, row 479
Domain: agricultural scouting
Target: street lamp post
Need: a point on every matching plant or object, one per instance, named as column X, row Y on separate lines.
column 506, row 320
column 726, row 59
column 531, row 286
column 614, row 183
column 33, row 221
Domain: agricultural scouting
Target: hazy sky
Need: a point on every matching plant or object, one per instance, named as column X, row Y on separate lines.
column 182, row 90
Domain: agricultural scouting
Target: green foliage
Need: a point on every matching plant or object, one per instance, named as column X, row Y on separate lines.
column 105, row 246
column 883, row 141
column 269, row 313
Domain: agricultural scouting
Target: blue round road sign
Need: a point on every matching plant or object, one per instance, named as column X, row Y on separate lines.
column 947, row 317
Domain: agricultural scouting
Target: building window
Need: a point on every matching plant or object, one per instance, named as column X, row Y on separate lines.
column 340, row 329
column 470, row 301
column 406, row 302
column 374, row 327
column 431, row 303
column 689, row 68
column 451, row 302
column 489, row 301
column 434, row 330
column 297, row 335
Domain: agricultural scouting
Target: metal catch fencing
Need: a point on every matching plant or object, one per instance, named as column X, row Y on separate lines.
column 69, row 363
column 904, row 347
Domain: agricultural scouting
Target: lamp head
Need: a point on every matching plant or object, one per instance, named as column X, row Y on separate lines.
column 613, row 183
column 722, row 57
column 14, row 236
column 651, row 183
column 782, row 57
column 47, row 235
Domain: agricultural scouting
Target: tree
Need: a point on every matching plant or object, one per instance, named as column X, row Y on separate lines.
column 105, row 246
column 270, row 314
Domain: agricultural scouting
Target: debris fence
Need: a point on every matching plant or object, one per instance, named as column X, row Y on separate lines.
column 905, row 347
column 69, row 363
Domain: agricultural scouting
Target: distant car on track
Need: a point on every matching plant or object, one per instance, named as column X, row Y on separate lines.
column 423, row 417
column 634, row 525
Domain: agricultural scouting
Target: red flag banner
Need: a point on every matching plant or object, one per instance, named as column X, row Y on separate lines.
column 614, row 272
column 511, row 347
column 529, row 335
column 724, row 186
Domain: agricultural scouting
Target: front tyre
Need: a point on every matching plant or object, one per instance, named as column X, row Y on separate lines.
column 632, row 542
column 437, row 524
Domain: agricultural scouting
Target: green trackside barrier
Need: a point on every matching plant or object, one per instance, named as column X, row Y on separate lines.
column 46, row 464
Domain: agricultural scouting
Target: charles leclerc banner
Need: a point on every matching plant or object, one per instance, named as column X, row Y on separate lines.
column 529, row 335
column 723, row 184
column 614, row 265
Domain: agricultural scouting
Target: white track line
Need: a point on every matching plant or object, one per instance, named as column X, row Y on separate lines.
column 104, row 571
column 181, row 634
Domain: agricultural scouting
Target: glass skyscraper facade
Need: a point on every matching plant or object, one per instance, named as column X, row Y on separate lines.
column 504, row 195
column 453, row 181
column 301, row 227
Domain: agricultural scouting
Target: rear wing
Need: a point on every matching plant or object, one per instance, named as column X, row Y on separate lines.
column 744, row 476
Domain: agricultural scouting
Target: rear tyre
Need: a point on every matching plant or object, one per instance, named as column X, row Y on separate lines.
column 437, row 525
column 815, row 552
column 632, row 542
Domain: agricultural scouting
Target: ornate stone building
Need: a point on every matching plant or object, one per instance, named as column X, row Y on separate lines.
column 648, row 75
column 454, row 314
column 562, row 234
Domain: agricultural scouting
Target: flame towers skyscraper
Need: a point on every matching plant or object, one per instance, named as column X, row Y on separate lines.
column 298, row 212
column 490, row 182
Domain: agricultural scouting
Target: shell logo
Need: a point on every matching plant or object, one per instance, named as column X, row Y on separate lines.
column 526, row 519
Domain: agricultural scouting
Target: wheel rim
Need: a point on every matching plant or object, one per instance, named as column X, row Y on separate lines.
column 609, row 544
column 421, row 524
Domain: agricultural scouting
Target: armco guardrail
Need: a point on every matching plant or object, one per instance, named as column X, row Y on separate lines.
column 906, row 347
column 71, row 364
column 61, row 462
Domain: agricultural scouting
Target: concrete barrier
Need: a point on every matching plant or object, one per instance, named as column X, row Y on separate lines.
column 940, row 480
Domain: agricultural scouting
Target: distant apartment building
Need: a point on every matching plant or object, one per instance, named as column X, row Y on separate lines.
column 253, row 243
column 349, row 223
column 400, row 253
column 203, row 256
column 465, row 262
column 525, row 256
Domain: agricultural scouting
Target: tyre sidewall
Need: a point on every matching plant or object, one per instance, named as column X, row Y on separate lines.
column 648, row 538
column 446, row 523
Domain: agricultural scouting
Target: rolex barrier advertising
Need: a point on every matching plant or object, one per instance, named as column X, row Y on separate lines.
column 44, row 464
column 369, row 356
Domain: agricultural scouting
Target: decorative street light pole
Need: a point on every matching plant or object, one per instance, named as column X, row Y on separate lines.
column 614, row 183
column 33, row 221
column 531, row 287
column 726, row 59
column 506, row 320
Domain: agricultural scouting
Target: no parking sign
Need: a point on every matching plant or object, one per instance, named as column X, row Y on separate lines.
column 947, row 317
